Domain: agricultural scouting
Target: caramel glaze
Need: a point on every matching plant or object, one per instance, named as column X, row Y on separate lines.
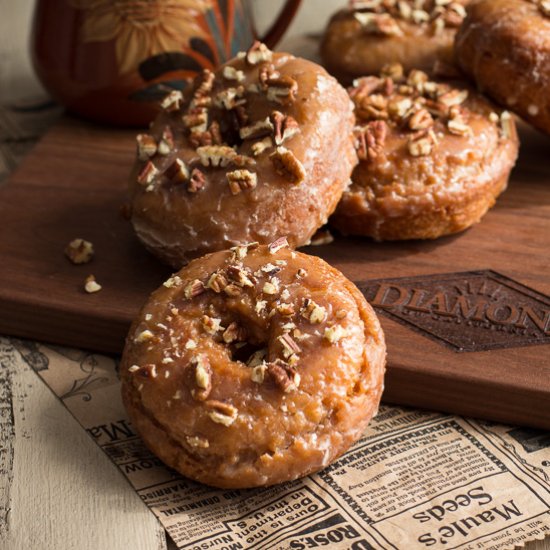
column 400, row 191
column 504, row 45
column 178, row 225
column 351, row 49
column 273, row 429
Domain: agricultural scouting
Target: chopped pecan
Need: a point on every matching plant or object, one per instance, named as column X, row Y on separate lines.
column 421, row 120
column 241, row 180
column 271, row 287
column 458, row 127
column 313, row 312
column 146, row 146
column 285, row 127
column 196, row 120
column 234, row 333
column 230, row 73
column 371, row 140
column 287, row 165
column 420, row 147
column 143, row 336
column 454, row 97
column 364, row 87
column 203, row 87
column 420, row 16
column 277, row 245
column 177, row 172
column 193, row 289
column 290, row 347
column 335, row 333
column 285, row 309
column 257, row 130
column 91, row 285
column 454, row 14
column 166, row 143
column 382, row 23
column 216, row 155
column 217, row 282
column 257, row 374
column 240, row 276
column 267, row 72
column 203, row 378
column 197, row 181
column 221, row 413
column 284, row 376
column 147, row 175
column 211, row 324
column 172, row 102
column 230, row 98
column 79, row 251
column 282, row 89
column 258, row 53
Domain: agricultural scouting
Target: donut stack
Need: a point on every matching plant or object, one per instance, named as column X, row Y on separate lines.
column 256, row 364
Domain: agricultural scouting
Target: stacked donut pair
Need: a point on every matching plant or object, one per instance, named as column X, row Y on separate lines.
column 254, row 364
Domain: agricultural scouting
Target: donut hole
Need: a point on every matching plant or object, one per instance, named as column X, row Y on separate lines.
column 229, row 127
column 245, row 353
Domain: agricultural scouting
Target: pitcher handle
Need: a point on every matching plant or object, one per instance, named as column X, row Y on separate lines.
column 279, row 27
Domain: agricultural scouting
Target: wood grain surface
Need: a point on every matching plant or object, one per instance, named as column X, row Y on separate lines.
column 74, row 182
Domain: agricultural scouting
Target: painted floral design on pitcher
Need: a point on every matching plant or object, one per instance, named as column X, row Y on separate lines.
column 166, row 41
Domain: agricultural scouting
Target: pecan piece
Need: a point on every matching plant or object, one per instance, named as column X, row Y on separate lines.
column 282, row 89
column 172, row 102
column 421, row 146
column 257, row 130
column 203, row 378
column 91, row 285
column 216, row 155
column 147, row 175
column 197, row 181
column 421, row 120
column 287, row 165
column 376, row 23
column 193, row 289
column 335, row 333
column 79, row 251
column 277, row 245
column 230, row 73
column 258, row 53
column 217, row 282
column 146, row 146
column 221, row 413
column 371, row 140
column 241, row 180
column 234, row 333
column 290, row 347
column 166, row 143
column 284, row 376
column 177, row 172
column 285, row 127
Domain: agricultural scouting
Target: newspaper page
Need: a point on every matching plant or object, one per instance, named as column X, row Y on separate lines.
column 415, row 480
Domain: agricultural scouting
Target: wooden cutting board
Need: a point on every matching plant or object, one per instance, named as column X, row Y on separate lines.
column 467, row 318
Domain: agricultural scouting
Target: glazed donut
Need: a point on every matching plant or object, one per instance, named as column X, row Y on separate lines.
column 434, row 157
column 259, row 149
column 504, row 45
column 243, row 370
column 363, row 38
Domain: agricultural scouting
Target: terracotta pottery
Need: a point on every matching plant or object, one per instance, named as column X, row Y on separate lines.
column 112, row 60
